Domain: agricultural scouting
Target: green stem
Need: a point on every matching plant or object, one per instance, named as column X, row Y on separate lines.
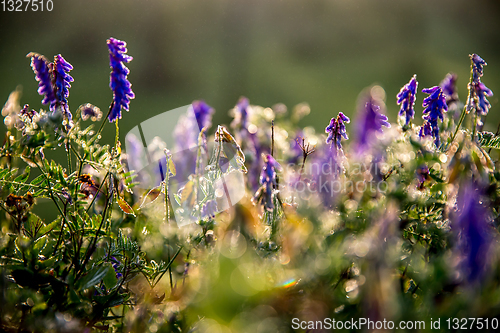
column 464, row 111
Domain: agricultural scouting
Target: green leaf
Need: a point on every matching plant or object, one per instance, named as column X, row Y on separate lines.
column 93, row 277
column 488, row 140
column 110, row 279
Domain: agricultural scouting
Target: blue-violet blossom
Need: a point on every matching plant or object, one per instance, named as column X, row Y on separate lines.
column 119, row 84
column 435, row 105
column 336, row 131
column 472, row 228
column 370, row 121
column 268, row 181
column 62, row 83
column 406, row 98
column 43, row 74
column 203, row 113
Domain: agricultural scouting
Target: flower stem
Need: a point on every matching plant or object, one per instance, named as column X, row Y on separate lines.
column 466, row 106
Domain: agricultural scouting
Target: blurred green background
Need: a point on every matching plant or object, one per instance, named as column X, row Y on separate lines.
column 323, row 52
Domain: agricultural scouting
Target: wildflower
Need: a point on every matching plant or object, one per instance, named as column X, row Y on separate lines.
column 116, row 265
column 209, row 209
column 268, row 181
column 370, row 121
column 62, row 84
column 119, row 84
column 336, row 131
column 473, row 231
column 295, row 153
column 449, row 87
column 241, row 113
column 90, row 111
column 477, row 64
column 43, row 74
column 406, row 98
column 422, row 174
column 203, row 113
column 435, row 105
column 481, row 104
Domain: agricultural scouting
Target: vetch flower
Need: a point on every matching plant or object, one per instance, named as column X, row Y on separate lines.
column 371, row 119
column 477, row 90
column 241, row 113
column 449, row 87
column 119, row 84
column 62, row 83
column 435, row 105
column 43, row 74
column 477, row 66
column 406, row 98
column 209, row 209
column 268, row 180
column 203, row 113
column 336, row 131
column 481, row 104
column 474, row 238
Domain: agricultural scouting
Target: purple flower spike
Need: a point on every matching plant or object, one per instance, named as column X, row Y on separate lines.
column 62, row 84
column 435, row 105
column 336, row 131
column 370, row 121
column 482, row 105
column 268, row 181
column 477, row 66
column 406, row 98
column 203, row 113
column 43, row 74
column 472, row 227
column 449, row 87
column 62, row 78
column 209, row 209
column 241, row 113
column 119, row 84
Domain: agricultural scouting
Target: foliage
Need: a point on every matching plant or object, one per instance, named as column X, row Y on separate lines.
column 409, row 230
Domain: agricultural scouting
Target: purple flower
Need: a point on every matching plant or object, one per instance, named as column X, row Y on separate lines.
column 209, row 209
column 370, row 121
column 268, row 182
column 241, row 113
column 474, row 238
column 295, row 150
column 119, row 84
column 422, row 174
column 90, row 111
column 435, row 105
column 325, row 171
column 336, row 131
column 203, row 113
column 477, row 66
column 116, row 265
column 62, row 82
column 481, row 104
column 449, row 87
column 43, row 74
column 406, row 98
